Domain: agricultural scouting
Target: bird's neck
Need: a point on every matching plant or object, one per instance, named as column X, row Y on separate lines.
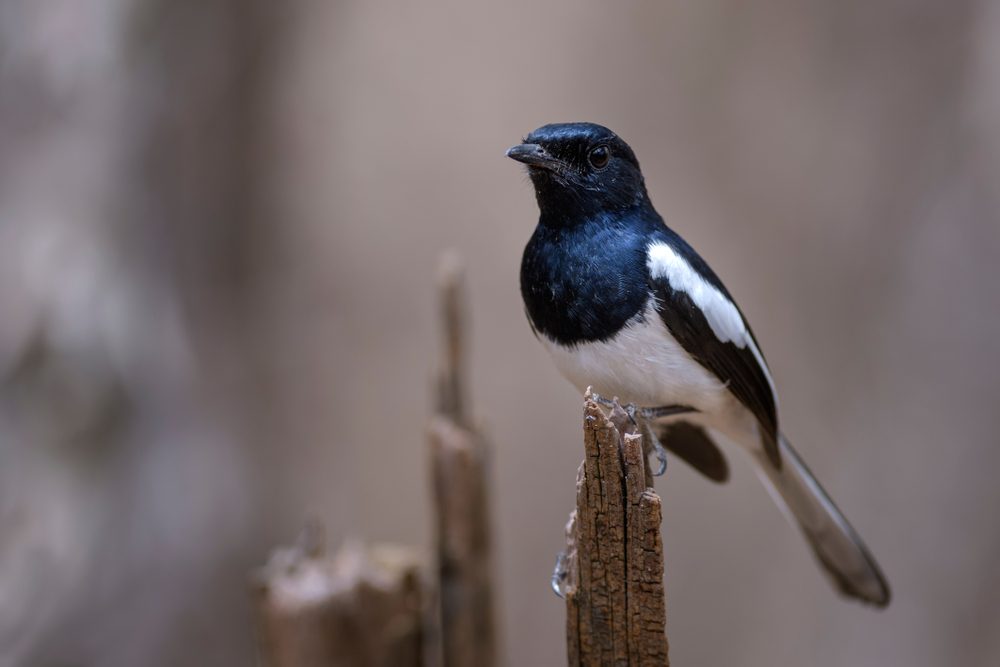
column 564, row 211
column 564, row 202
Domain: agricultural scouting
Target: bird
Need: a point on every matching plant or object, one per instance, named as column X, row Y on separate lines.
column 627, row 308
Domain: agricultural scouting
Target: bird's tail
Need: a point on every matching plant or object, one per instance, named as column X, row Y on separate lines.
column 837, row 546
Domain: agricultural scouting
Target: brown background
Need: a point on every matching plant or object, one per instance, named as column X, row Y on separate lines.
column 219, row 223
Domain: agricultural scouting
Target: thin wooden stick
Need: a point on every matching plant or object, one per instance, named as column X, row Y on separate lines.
column 460, row 466
column 451, row 401
column 615, row 607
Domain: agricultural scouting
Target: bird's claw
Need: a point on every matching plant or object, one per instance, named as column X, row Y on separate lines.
column 660, row 451
column 560, row 575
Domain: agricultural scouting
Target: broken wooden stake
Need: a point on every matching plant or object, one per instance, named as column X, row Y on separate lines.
column 613, row 582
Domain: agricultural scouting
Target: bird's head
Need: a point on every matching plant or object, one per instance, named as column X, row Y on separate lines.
column 580, row 170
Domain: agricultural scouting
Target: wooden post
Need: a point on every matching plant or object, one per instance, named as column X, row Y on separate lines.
column 365, row 606
column 460, row 466
column 615, row 607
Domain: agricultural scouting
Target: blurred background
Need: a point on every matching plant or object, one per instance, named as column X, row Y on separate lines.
column 219, row 225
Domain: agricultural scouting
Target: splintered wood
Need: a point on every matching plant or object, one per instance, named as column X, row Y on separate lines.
column 615, row 609
column 363, row 607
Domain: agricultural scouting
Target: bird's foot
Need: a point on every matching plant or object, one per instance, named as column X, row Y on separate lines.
column 641, row 418
column 636, row 412
column 600, row 400
column 560, row 575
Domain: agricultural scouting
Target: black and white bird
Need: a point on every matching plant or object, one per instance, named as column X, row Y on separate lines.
column 624, row 305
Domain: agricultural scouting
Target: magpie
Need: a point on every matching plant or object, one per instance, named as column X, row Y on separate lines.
column 625, row 306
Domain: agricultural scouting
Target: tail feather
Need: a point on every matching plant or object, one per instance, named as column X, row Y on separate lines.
column 836, row 544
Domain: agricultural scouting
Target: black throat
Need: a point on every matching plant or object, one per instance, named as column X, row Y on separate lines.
column 563, row 203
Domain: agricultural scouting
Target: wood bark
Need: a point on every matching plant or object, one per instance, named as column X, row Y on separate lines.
column 460, row 468
column 615, row 605
column 363, row 607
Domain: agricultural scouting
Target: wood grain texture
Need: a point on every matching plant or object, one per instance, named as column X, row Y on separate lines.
column 616, row 612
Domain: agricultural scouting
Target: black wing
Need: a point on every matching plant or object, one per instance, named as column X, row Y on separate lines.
column 736, row 366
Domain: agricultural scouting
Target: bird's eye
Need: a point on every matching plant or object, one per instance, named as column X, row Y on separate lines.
column 599, row 157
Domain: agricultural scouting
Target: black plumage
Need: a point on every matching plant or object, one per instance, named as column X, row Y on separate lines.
column 584, row 272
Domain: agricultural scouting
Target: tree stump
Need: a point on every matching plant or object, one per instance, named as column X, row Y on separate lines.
column 615, row 606
column 363, row 607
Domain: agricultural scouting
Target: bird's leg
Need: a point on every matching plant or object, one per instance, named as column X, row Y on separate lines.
column 665, row 411
column 642, row 418
column 560, row 574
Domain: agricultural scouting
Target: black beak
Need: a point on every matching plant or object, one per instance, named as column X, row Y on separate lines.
column 533, row 155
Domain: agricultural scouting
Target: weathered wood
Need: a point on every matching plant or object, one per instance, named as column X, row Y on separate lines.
column 616, row 613
column 464, row 549
column 460, row 468
column 363, row 607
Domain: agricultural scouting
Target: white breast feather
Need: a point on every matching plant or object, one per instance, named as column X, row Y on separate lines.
column 642, row 364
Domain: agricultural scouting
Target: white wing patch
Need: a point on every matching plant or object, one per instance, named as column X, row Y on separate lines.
column 722, row 315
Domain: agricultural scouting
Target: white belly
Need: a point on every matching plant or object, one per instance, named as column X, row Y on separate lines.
column 642, row 364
